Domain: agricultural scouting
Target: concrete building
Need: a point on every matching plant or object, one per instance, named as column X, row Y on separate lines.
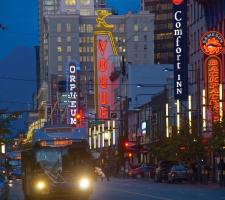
column 67, row 36
column 163, row 37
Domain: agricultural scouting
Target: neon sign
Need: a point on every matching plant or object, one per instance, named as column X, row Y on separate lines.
column 212, row 43
column 105, row 50
column 180, row 49
column 213, row 80
column 72, row 95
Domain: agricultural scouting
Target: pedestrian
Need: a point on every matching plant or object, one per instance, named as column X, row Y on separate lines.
column 221, row 168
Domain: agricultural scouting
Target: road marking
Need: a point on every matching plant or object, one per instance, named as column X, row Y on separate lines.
column 145, row 195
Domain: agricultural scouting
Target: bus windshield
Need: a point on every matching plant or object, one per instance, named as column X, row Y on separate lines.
column 61, row 159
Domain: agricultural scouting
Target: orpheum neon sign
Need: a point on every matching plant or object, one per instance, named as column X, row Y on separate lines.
column 72, row 95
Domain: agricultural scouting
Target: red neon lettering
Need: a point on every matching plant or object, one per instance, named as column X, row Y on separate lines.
column 102, row 45
column 103, row 98
column 213, row 87
column 103, row 113
column 102, row 65
column 103, row 82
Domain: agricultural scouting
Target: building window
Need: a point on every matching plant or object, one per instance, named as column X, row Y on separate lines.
column 59, row 58
column 82, row 28
column 89, row 28
column 145, row 28
column 68, row 58
column 121, row 28
column 70, row 2
column 145, row 47
column 69, row 49
column 135, row 27
column 59, row 49
column 68, row 27
column 136, row 38
column 60, row 68
column 68, row 38
column 59, row 27
column 59, row 39
column 145, row 37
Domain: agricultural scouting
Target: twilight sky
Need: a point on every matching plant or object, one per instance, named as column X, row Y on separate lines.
column 17, row 55
column 21, row 19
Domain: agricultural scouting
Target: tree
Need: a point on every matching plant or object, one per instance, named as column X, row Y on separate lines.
column 5, row 122
column 217, row 142
column 180, row 147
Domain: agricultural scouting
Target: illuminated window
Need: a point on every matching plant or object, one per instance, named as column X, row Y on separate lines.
column 92, row 49
column 68, row 38
column 69, row 49
column 59, row 39
column 135, row 27
column 59, row 58
column 145, row 28
column 89, row 28
column 70, row 2
column 80, row 39
column 136, row 38
column 68, row 27
column 59, row 49
column 121, row 28
column 82, row 28
column 59, row 67
column 80, row 49
column 58, row 27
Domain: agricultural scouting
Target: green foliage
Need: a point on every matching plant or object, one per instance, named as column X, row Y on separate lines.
column 5, row 121
column 180, row 147
column 217, row 142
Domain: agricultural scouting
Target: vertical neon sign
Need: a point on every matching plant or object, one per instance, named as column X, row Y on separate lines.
column 104, row 51
column 72, row 94
column 212, row 44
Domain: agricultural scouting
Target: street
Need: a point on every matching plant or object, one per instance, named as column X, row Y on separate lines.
column 122, row 189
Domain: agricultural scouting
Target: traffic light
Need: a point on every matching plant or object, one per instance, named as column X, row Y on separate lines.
column 126, row 144
column 78, row 118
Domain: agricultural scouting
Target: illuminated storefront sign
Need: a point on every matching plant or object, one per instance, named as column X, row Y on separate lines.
column 180, row 49
column 104, row 66
column 212, row 44
column 72, row 94
column 213, row 80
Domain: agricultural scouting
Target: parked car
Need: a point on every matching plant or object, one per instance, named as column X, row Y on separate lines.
column 177, row 173
column 141, row 171
column 161, row 172
column 4, row 188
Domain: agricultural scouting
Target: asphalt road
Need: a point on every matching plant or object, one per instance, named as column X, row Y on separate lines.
column 131, row 189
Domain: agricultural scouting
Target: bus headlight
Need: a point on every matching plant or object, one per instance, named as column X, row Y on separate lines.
column 40, row 185
column 84, row 183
